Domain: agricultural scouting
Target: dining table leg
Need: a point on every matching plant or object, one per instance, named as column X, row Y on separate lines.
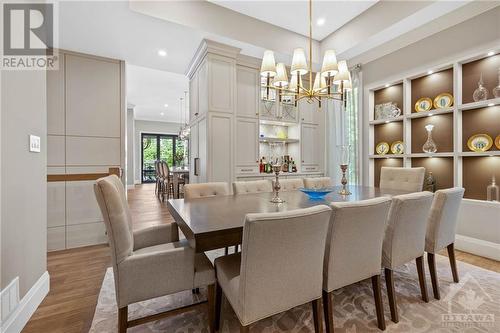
column 175, row 181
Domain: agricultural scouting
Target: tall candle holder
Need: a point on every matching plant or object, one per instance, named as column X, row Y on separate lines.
column 344, row 163
column 275, row 158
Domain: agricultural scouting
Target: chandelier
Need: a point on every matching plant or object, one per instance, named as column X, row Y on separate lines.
column 184, row 129
column 332, row 82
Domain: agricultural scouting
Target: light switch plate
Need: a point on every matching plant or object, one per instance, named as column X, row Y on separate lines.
column 34, row 143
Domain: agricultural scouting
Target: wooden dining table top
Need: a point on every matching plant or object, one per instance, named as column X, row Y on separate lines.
column 215, row 222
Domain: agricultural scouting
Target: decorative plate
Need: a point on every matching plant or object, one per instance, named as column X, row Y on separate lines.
column 398, row 147
column 480, row 142
column 423, row 104
column 443, row 100
column 382, row 148
column 497, row 141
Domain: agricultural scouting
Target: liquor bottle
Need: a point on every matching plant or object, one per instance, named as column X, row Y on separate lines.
column 294, row 167
column 284, row 167
column 492, row 191
column 290, row 165
column 261, row 165
column 430, row 183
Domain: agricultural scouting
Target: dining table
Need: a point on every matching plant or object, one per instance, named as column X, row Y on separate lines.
column 177, row 173
column 216, row 222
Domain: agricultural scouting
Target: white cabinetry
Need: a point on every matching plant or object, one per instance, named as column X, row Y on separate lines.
column 309, row 113
column 312, row 148
column 247, row 146
column 247, row 92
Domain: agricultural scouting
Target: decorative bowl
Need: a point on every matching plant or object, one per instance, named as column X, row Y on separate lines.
column 316, row 193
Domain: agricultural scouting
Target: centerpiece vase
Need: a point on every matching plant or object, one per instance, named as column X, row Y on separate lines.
column 429, row 145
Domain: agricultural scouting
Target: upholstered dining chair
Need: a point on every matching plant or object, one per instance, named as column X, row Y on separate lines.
column 319, row 182
column 405, row 179
column 151, row 262
column 292, row 184
column 404, row 240
column 269, row 276
column 255, row 186
column 167, row 185
column 441, row 229
column 354, row 251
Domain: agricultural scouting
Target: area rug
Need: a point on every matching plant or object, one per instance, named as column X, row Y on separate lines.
column 473, row 305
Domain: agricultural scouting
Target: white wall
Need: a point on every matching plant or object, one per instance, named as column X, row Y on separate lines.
column 145, row 126
column 23, row 178
column 130, row 146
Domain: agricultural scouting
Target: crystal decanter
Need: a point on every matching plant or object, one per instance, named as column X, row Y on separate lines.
column 492, row 191
column 496, row 90
column 481, row 93
column 429, row 145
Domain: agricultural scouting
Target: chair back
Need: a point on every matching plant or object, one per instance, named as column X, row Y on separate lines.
column 354, row 243
column 318, row 182
column 405, row 234
column 157, row 170
column 256, row 186
column 290, row 184
column 110, row 195
column 165, row 170
column 282, row 260
column 405, row 179
column 200, row 190
column 442, row 224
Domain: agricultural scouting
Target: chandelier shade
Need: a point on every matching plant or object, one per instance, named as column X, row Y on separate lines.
column 343, row 75
column 319, row 82
column 330, row 66
column 268, row 67
column 299, row 62
column 281, row 78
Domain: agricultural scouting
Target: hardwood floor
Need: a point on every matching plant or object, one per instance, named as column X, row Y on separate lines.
column 76, row 275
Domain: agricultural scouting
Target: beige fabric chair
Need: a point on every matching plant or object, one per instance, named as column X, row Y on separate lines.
column 292, row 184
column 441, row 229
column 405, row 179
column 201, row 190
column 404, row 240
column 270, row 276
column 151, row 262
column 256, row 186
column 319, row 182
column 354, row 251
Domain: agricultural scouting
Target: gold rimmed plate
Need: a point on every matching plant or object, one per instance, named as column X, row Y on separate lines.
column 480, row 143
column 382, row 148
column 398, row 147
column 423, row 104
column 497, row 141
column 443, row 100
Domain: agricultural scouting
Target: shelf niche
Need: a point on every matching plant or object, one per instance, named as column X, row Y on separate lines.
column 385, row 162
column 477, row 173
column 480, row 121
column 442, row 133
column 389, row 133
column 431, row 85
column 441, row 168
column 390, row 94
column 471, row 73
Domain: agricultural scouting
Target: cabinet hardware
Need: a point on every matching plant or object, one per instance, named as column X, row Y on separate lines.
column 196, row 166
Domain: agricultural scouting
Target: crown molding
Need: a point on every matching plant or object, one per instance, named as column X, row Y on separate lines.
column 206, row 47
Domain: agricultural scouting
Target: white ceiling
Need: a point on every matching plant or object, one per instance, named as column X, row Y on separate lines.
column 148, row 90
column 294, row 15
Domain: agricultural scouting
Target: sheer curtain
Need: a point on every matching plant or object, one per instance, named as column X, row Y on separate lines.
column 343, row 129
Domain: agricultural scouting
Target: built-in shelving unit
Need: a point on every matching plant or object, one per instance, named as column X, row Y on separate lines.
column 453, row 164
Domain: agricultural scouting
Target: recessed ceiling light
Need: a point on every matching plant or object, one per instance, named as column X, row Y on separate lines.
column 165, row 105
column 430, row 72
column 491, row 104
column 387, row 85
column 162, row 53
column 321, row 21
column 162, row 113
column 490, row 53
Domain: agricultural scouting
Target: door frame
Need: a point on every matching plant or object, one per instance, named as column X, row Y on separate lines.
column 158, row 138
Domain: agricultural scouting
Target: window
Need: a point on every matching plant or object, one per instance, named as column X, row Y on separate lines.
column 162, row 147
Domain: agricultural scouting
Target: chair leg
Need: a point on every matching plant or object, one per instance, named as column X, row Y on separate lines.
column 431, row 260
column 123, row 319
column 391, row 294
column 453, row 262
column 218, row 305
column 318, row 323
column 211, row 308
column 236, row 247
column 421, row 278
column 244, row 329
column 226, row 251
column 328, row 311
column 379, row 306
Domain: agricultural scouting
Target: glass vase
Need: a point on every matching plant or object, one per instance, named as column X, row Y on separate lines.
column 496, row 90
column 429, row 145
column 481, row 93
column 492, row 191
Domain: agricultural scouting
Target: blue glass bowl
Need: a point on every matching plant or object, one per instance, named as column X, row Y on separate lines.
column 316, row 193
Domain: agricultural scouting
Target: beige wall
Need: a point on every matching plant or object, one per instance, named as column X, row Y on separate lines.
column 23, row 178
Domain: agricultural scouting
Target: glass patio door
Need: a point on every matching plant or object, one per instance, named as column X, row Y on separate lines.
column 161, row 147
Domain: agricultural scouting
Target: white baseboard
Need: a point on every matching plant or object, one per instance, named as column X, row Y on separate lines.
column 130, row 187
column 17, row 319
column 478, row 247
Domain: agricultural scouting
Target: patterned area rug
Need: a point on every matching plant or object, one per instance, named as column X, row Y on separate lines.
column 473, row 305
